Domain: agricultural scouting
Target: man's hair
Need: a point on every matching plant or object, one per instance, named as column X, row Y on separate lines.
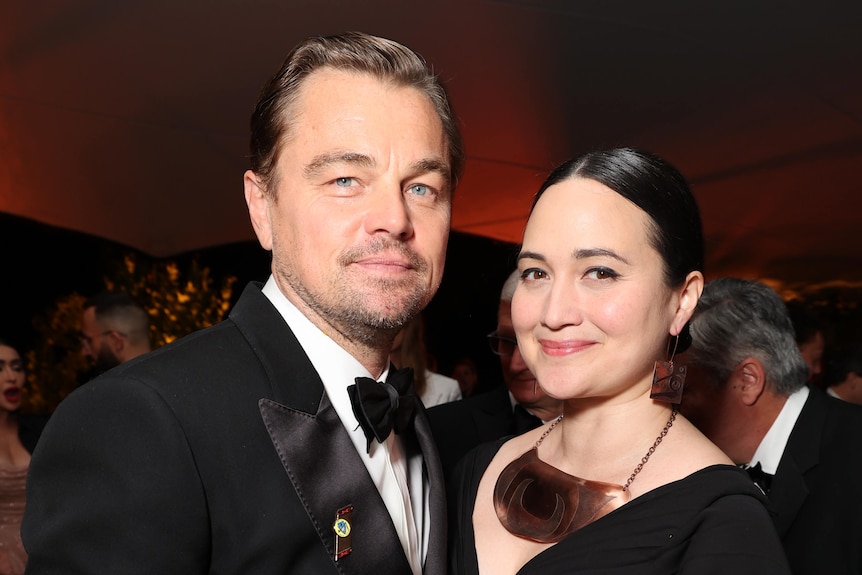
column 119, row 311
column 736, row 319
column 383, row 59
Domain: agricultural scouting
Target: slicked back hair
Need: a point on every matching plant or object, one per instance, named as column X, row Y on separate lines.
column 385, row 60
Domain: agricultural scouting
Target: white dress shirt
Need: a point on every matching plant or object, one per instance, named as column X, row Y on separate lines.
column 400, row 480
column 772, row 445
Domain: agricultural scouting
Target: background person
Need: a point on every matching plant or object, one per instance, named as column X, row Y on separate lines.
column 238, row 449
column 610, row 272
column 18, row 437
column 844, row 373
column 514, row 407
column 748, row 394
column 409, row 350
column 114, row 329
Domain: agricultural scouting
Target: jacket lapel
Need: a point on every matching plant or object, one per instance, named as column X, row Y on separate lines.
column 328, row 476
column 435, row 560
column 789, row 489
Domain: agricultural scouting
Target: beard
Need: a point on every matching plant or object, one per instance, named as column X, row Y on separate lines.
column 104, row 361
column 348, row 303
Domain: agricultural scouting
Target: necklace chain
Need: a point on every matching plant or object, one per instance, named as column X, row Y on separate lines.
column 644, row 459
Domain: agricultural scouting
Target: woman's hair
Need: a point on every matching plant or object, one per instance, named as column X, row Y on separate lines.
column 659, row 190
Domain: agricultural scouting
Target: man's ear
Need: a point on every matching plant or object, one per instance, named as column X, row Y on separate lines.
column 258, row 201
column 117, row 342
column 686, row 301
column 749, row 380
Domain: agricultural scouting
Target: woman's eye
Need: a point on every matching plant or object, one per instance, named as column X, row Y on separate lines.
column 419, row 189
column 344, row 182
column 602, row 274
column 533, row 274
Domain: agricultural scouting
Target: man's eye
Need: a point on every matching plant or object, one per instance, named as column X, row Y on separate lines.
column 344, row 182
column 419, row 189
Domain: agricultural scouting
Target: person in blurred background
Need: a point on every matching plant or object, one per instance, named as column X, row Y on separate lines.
column 409, row 350
column 747, row 392
column 516, row 406
column 114, row 329
column 810, row 338
column 844, row 372
column 18, row 437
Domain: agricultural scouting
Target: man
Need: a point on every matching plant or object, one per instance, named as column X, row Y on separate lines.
column 237, row 449
column 114, row 329
column 845, row 373
column 511, row 409
column 746, row 390
column 810, row 340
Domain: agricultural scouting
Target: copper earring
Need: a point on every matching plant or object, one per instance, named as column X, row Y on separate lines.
column 666, row 382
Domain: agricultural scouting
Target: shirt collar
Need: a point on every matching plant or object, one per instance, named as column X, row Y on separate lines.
column 772, row 445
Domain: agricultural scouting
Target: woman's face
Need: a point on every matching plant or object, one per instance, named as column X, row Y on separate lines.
column 11, row 378
column 592, row 312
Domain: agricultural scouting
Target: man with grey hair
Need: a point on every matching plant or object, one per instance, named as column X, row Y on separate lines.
column 746, row 390
column 280, row 440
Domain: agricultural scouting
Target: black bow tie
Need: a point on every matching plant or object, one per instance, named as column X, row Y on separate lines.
column 382, row 407
column 760, row 477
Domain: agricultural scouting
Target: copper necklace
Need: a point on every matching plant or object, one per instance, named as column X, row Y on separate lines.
column 537, row 501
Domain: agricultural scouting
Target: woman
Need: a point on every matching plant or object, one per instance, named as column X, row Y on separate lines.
column 14, row 461
column 610, row 272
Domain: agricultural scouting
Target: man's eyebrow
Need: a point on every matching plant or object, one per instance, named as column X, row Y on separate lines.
column 323, row 161
column 437, row 165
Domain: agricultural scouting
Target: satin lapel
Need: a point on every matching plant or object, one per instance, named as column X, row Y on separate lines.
column 328, row 475
column 802, row 453
column 435, row 560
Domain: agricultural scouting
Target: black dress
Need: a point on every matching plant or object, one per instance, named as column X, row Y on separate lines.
column 712, row 522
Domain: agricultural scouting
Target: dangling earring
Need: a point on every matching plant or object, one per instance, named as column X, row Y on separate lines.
column 667, row 384
column 534, row 386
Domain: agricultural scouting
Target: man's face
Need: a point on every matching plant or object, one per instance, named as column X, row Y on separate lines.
column 517, row 376
column 95, row 346
column 812, row 354
column 360, row 222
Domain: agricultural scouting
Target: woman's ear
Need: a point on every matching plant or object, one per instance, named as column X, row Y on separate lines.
column 686, row 300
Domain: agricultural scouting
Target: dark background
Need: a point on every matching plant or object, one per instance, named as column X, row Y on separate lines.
column 43, row 263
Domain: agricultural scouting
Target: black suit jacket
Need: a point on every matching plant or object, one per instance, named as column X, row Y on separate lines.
column 459, row 426
column 816, row 495
column 220, row 453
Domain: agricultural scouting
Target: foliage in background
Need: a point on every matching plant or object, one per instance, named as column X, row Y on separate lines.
column 177, row 301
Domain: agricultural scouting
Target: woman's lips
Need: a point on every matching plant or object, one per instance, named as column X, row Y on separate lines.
column 564, row 347
column 12, row 394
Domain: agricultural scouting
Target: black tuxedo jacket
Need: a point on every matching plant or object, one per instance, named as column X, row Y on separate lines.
column 219, row 453
column 815, row 495
column 459, row 426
